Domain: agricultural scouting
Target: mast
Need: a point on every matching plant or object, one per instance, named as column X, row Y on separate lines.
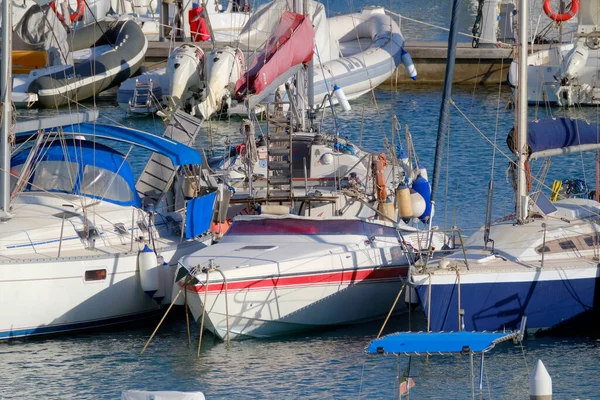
column 5, row 83
column 521, row 194
column 445, row 106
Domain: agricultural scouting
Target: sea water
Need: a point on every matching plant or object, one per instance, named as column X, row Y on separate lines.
column 330, row 364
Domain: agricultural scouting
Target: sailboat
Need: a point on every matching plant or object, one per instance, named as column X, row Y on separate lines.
column 303, row 263
column 82, row 244
column 540, row 263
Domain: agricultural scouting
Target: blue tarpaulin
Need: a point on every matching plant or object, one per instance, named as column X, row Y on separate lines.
column 178, row 153
column 415, row 343
column 198, row 215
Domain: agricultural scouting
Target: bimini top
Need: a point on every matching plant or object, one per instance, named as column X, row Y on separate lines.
column 80, row 167
column 421, row 343
column 178, row 153
column 556, row 136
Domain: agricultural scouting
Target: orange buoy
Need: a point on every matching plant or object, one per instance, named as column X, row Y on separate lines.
column 570, row 13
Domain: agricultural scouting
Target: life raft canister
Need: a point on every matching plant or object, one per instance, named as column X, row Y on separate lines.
column 561, row 17
column 76, row 15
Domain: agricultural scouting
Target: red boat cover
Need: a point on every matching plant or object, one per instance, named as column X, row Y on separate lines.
column 292, row 43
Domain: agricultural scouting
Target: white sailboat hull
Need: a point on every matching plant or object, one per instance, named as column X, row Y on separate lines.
column 290, row 274
column 277, row 310
column 41, row 297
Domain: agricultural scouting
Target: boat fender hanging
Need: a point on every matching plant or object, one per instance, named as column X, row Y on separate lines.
column 570, row 13
column 417, row 204
column 403, row 202
column 75, row 16
column 149, row 272
column 409, row 65
column 423, row 188
column 341, row 98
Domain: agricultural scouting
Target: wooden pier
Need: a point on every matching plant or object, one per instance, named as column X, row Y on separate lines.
column 483, row 65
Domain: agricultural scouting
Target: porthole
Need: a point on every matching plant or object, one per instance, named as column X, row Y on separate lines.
column 95, row 275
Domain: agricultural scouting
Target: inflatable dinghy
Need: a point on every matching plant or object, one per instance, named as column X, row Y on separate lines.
column 115, row 56
column 355, row 52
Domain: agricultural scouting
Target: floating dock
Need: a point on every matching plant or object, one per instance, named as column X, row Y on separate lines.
column 483, row 65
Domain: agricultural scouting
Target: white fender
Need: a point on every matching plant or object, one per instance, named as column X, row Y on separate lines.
column 418, row 204
column 409, row 65
column 341, row 98
column 149, row 271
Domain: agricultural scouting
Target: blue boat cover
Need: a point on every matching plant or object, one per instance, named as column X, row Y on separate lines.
column 416, row 343
column 90, row 179
column 178, row 153
column 199, row 214
column 559, row 133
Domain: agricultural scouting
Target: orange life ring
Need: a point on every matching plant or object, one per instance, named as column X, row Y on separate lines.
column 76, row 15
column 561, row 17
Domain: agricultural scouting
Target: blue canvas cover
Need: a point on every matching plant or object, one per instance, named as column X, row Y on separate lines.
column 199, row 214
column 558, row 133
column 416, row 343
column 84, row 154
column 178, row 153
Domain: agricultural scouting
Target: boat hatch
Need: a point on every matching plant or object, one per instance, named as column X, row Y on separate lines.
column 79, row 167
column 264, row 248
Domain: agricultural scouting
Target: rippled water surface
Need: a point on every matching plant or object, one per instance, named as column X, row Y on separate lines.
column 331, row 364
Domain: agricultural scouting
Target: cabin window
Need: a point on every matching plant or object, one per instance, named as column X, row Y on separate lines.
column 543, row 249
column 381, row 230
column 590, row 241
column 55, row 175
column 95, row 275
column 265, row 248
column 99, row 182
column 15, row 172
column 567, row 245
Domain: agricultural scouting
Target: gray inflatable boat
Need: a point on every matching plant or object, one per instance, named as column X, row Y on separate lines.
column 116, row 54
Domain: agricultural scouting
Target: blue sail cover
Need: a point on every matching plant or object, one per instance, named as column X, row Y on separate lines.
column 81, row 167
column 416, row 343
column 560, row 133
column 178, row 153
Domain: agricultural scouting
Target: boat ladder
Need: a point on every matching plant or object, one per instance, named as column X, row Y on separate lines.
column 143, row 98
column 279, row 156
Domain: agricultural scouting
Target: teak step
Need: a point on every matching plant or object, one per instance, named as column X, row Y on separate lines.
column 279, row 151
column 280, row 180
column 279, row 165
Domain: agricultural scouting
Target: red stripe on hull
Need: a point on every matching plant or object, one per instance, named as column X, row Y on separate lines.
column 342, row 278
